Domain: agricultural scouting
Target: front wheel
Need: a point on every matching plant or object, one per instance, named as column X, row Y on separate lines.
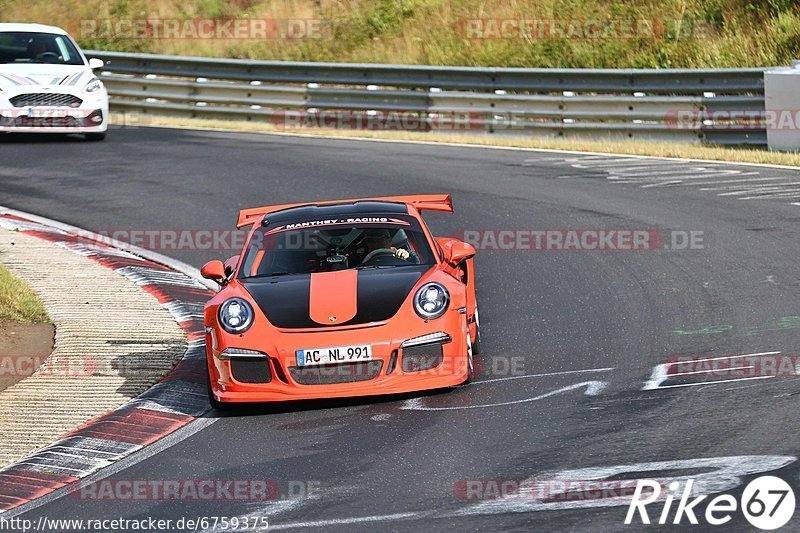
column 476, row 346
column 215, row 404
column 470, row 364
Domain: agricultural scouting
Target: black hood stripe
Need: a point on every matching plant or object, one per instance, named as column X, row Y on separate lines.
column 285, row 300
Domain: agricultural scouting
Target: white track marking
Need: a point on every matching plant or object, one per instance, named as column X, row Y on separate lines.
column 631, row 167
column 685, row 175
column 654, row 175
column 712, row 371
column 795, row 194
column 789, row 191
column 540, row 493
column 693, row 180
column 718, row 474
column 661, row 373
column 593, row 388
column 158, row 446
column 577, row 154
column 720, row 358
column 626, row 164
column 758, row 186
column 569, row 156
column 743, row 180
column 674, row 177
column 139, row 454
column 662, row 184
column 773, row 188
column 658, row 376
column 716, row 382
column 745, row 186
column 751, row 185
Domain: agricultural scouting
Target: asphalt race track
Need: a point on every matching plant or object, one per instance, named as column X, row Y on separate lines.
column 597, row 323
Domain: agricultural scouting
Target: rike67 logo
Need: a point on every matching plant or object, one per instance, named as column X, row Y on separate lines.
column 767, row 503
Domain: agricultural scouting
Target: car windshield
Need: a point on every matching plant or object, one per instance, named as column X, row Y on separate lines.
column 283, row 250
column 35, row 47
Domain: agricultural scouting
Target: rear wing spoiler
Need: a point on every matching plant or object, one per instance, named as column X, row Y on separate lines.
column 421, row 202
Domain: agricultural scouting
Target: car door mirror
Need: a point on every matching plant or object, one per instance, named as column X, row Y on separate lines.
column 95, row 63
column 213, row 270
column 457, row 251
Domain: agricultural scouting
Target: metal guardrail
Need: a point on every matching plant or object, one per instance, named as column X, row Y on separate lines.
column 721, row 106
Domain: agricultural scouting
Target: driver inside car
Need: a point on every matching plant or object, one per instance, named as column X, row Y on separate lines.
column 381, row 239
column 37, row 47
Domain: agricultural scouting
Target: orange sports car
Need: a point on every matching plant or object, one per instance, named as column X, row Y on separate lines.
column 340, row 299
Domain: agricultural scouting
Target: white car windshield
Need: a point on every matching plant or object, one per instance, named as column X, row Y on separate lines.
column 36, row 47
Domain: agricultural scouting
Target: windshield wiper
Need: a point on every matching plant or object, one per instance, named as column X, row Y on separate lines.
column 370, row 267
column 270, row 275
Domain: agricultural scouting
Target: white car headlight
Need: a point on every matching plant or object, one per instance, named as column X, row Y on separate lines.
column 235, row 315
column 431, row 301
column 94, row 86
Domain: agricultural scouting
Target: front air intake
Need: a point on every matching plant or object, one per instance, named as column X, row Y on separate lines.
column 421, row 357
column 251, row 370
column 46, row 100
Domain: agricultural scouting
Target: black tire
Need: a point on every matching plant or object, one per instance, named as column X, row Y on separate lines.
column 215, row 404
column 470, row 364
column 94, row 137
column 476, row 345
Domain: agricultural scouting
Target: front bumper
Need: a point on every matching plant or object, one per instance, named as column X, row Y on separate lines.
column 286, row 382
column 91, row 116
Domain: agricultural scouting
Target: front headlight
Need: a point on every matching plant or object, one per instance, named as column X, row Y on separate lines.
column 235, row 315
column 431, row 301
column 94, row 86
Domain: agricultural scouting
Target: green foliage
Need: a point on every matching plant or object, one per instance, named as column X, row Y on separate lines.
column 683, row 33
column 17, row 301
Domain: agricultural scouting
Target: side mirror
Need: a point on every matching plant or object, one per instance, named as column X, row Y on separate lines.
column 213, row 270
column 457, row 251
column 95, row 63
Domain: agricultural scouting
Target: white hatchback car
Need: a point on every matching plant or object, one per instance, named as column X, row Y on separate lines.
column 47, row 84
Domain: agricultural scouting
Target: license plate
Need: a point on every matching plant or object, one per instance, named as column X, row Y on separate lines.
column 337, row 354
column 47, row 113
